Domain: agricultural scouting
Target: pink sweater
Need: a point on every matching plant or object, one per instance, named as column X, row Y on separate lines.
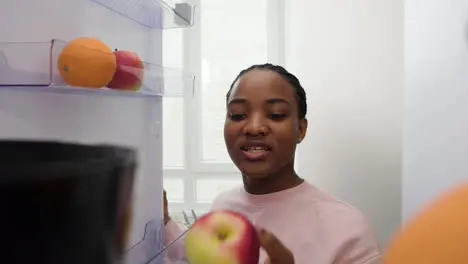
column 317, row 228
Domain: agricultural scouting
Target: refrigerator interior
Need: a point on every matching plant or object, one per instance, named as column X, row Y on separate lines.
column 36, row 104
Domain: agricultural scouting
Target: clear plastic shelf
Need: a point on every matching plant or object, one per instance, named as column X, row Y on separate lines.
column 33, row 64
column 25, row 64
column 148, row 249
column 151, row 250
column 157, row 14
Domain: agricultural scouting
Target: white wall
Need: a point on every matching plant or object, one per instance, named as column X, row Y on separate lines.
column 349, row 57
column 436, row 99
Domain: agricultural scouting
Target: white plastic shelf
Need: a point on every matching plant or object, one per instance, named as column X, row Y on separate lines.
column 156, row 14
column 33, row 65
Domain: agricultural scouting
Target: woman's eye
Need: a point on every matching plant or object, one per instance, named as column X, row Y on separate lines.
column 277, row 116
column 237, row 117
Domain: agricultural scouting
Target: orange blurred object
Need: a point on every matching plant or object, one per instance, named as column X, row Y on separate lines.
column 87, row 62
column 437, row 235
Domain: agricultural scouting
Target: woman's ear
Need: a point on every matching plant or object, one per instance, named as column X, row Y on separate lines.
column 302, row 129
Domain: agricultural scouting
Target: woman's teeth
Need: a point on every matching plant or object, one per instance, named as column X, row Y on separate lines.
column 256, row 149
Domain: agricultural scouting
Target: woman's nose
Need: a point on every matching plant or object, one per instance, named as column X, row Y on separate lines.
column 256, row 126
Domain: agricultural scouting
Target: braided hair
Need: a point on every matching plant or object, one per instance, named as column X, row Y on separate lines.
column 289, row 77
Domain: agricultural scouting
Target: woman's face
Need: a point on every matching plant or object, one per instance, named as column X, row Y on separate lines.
column 262, row 126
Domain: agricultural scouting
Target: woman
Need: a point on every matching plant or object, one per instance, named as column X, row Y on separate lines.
column 265, row 120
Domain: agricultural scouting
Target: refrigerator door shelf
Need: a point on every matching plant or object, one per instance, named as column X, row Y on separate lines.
column 35, row 64
column 155, row 14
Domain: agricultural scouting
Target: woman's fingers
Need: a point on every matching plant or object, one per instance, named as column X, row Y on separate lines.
column 277, row 252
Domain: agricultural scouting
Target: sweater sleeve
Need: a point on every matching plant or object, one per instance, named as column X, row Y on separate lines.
column 360, row 247
column 176, row 251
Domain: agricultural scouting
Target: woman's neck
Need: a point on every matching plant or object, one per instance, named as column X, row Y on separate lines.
column 282, row 180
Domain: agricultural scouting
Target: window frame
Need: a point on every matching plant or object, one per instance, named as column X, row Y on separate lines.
column 190, row 191
column 194, row 167
column 192, row 58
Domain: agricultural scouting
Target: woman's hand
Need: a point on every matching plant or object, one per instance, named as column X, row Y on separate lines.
column 166, row 210
column 277, row 252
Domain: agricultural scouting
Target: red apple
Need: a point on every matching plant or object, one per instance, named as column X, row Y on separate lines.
column 129, row 72
column 222, row 237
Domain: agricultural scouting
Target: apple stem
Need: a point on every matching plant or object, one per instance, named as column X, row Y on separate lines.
column 116, row 50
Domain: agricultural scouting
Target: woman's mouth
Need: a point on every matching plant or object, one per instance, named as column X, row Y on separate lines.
column 255, row 153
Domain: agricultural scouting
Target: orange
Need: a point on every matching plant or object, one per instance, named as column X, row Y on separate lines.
column 87, row 62
column 437, row 235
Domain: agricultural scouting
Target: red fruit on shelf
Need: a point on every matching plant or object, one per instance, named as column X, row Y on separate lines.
column 129, row 73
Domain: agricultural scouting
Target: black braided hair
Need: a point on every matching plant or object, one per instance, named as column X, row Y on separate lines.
column 289, row 77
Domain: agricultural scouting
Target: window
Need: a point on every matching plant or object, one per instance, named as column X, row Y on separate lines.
column 227, row 37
